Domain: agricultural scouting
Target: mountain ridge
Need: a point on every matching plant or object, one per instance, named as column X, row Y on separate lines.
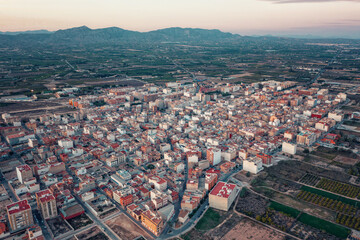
column 85, row 35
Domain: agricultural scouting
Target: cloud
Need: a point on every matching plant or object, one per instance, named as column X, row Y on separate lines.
column 309, row 1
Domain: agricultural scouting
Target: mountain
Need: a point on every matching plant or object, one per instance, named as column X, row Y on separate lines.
column 26, row 32
column 84, row 35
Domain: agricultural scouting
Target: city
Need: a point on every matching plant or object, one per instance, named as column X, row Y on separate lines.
column 180, row 120
column 151, row 161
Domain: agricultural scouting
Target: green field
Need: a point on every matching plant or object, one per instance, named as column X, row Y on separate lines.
column 331, row 196
column 334, row 229
column 285, row 209
column 352, row 123
column 210, row 220
column 4, row 104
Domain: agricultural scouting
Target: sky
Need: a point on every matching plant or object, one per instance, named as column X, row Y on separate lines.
column 245, row 17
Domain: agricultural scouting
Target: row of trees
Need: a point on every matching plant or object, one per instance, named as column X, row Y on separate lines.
column 349, row 221
column 340, row 188
column 269, row 219
column 332, row 204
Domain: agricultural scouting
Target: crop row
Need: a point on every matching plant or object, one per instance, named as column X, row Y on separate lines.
column 332, row 204
column 339, row 188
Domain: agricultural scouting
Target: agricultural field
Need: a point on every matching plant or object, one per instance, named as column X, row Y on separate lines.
column 310, row 179
column 339, row 188
column 329, row 203
column 329, row 227
column 295, row 170
column 350, row 221
column 277, row 219
column 289, row 219
column 252, row 205
column 285, row 209
column 278, row 184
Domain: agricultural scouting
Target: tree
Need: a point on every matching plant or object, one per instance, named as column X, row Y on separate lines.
column 243, row 192
column 150, row 166
column 248, row 174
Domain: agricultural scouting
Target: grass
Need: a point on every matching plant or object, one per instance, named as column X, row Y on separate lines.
column 331, row 196
column 210, row 220
column 285, row 209
column 80, row 221
column 329, row 227
column 352, row 123
column 4, row 104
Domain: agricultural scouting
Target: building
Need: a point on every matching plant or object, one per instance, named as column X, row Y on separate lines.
column 306, row 138
column 183, row 216
column 46, row 203
column 19, row 215
column 35, row 233
column 71, row 210
column 192, row 184
column 289, row 148
column 24, row 173
column 213, row 155
column 223, row 195
column 337, row 116
column 210, row 180
column 66, row 143
column 152, row 221
column 227, row 167
column 114, row 161
column 253, row 165
column 158, row 182
column 204, row 164
column 325, row 124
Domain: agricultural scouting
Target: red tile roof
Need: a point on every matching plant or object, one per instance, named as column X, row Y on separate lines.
column 223, row 189
column 18, row 207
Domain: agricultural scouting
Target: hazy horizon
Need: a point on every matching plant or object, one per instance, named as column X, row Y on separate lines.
column 248, row 17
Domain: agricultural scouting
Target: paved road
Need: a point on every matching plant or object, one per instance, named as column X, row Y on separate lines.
column 170, row 232
column 40, row 221
column 5, row 183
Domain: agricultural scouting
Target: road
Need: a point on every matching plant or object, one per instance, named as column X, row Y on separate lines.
column 95, row 219
column 127, row 214
column 36, row 215
column 5, row 183
column 100, row 222
column 170, row 232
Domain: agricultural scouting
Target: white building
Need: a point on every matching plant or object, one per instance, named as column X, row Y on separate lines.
column 214, row 156
column 289, row 148
column 253, row 165
column 223, row 195
column 66, row 143
column 336, row 116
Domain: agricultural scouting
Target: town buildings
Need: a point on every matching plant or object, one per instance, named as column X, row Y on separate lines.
column 223, row 195
column 148, row 147
column 19, row 215
column 46, row 203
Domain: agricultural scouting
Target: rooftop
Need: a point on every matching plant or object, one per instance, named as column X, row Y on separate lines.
column 223, row 189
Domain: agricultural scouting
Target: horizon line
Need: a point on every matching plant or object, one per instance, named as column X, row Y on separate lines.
column 269, row 34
